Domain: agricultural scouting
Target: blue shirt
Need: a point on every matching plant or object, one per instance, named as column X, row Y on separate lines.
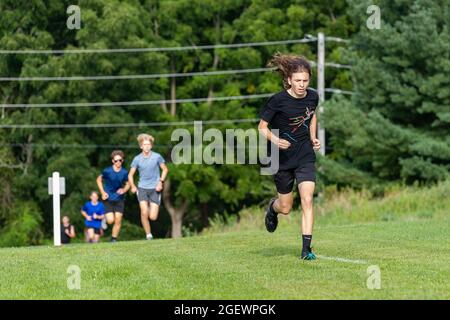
column 90, row 209
column 148, row 168
column 113, row 181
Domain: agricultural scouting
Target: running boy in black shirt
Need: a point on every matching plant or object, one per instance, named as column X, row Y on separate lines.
column 293, row 112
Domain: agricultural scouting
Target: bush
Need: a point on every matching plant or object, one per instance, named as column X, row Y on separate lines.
column 24, row 228
column 130, row 231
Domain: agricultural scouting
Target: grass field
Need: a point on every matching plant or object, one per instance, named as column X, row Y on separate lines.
column 412, row 253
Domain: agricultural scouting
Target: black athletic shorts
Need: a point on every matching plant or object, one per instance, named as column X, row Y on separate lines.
column 284, row 179
column 114, row 206
column 96, row 230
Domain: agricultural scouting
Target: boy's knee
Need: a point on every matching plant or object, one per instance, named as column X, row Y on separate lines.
column 307, row 200
column 144, row 214
column 285, row 208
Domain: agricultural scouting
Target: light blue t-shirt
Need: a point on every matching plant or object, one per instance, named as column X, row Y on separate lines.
column 148, row 168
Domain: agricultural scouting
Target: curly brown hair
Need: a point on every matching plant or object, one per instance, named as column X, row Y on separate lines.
column 286, row 65
column 117, row 153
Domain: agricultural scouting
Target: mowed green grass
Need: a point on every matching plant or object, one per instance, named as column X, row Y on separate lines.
column 413, row 257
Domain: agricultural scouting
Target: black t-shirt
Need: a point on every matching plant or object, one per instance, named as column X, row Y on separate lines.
column 292, row 117
column 64, row 237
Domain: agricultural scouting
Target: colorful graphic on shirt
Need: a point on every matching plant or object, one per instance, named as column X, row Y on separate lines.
column 289, row 136
column 297, row 122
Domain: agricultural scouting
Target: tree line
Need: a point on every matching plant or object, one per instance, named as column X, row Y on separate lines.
column 394, row 128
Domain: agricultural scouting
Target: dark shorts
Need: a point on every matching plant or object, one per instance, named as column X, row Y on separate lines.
column 284, row 179
column 96, row 230
column 149, row 195
column 114, row 206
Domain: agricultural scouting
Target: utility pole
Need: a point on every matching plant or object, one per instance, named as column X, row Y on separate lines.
column 321, row 88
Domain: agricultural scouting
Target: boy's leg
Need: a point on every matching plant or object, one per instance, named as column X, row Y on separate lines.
column 97, row 233
column 153, row 212
column 110, row 217
column 117, row 224
column 143, row 197
column 284, row 181
column 145, row 216
column 90, row 234
column 306, row 191
column 109, row 212
column 284, row 203
column 155, row 202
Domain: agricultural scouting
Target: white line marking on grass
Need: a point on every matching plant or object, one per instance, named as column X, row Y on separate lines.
column 352, row 225
column 342, row 259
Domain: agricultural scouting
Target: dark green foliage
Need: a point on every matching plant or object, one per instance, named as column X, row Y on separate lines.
column 23, row 227
column 396, row 126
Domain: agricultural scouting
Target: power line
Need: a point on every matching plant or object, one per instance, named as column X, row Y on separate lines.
column 76, row 146
column 163, row 49
column 134, row 103
column 122, row 125
column 338, row 91
column 136, row 76
column 338, row 65
column 336, row 39
column 154, row 76
column 93, row 146
column 148, row 102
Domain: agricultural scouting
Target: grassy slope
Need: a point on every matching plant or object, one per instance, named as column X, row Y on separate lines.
column 413, row 257
column 248, row 263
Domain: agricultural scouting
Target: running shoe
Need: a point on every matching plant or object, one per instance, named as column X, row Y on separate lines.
column 271, row 219
column 308, row 255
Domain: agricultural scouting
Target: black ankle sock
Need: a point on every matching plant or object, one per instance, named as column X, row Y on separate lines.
column 306, row 242
column 113, row 238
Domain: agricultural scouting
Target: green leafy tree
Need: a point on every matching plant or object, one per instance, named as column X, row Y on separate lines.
column 193, row 193
column 396, row 124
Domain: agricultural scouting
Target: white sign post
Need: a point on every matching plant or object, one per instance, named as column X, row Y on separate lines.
column 56, row 187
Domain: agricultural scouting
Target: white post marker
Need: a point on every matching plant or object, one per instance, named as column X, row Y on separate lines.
column 321, row 88
column 56, row 187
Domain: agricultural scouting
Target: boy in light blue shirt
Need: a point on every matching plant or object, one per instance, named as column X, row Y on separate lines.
column 151, row 181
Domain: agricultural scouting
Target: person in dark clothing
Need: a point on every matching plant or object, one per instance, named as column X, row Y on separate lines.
column 293, row 113
column 67, row 230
